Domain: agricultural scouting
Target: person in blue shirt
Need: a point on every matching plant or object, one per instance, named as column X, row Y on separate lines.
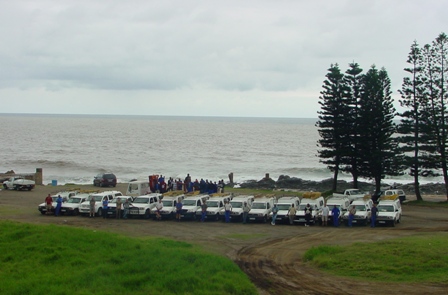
column 336, row 213
column 105, row 207
column 58, row 206
column 178, row 209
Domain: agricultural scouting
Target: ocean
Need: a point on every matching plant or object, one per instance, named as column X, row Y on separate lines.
column 74, row 148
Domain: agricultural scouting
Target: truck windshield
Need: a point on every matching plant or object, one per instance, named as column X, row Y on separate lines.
column 141, row 201
column 283, row 206
column 259, row 206
column 237, row 204
column 360, row 208
column 190, row 203
column 385, row 208
column 167, row 203
column 74, row 200
column 213, row 203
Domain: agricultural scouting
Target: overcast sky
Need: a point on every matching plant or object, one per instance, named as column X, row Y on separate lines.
column 199, row 58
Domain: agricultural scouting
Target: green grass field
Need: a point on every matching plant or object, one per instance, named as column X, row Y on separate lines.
column 412, row 259
column 48, row 259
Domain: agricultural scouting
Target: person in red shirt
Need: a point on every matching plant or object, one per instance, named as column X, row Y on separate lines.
column 49, row 203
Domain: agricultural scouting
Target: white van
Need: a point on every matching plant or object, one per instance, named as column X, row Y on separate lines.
column 192, row 204
column 363, row 209
column 99, row 197
column 389, row 210
column 137, row 188
column 215, row 205
column 316, row 202
column 142, row 205
column 283, row 205
column 237, row 207
column 343, row 203
column 261, row 209
column 169, row 206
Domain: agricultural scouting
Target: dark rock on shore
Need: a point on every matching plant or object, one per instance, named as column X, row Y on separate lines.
column 286, row 182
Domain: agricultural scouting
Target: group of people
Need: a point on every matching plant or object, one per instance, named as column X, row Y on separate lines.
column 49, row 205
column 159, row 184
column 120, row 205
column 336, row 212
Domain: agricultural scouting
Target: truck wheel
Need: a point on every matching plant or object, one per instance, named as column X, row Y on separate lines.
column 100, row 212
column 393, row 222
column 5, row 186
column 265, row 219
column 217, row 217
column 75, row 212
column 147, row 214
column 17, row 187
column 43, row 213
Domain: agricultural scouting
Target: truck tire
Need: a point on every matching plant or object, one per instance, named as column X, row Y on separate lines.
column 17, row 187
column 147, row 214
column 99, row 212
column 5, row 186
column 265, row 219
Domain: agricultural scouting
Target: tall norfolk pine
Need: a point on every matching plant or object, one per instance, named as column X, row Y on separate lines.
column 356, row 125
column 333, row 121
column 423, row 129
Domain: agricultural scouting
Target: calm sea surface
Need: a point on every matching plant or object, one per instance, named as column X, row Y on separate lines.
column 74, row 148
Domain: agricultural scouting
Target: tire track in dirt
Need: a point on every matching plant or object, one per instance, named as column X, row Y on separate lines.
column 277, row 267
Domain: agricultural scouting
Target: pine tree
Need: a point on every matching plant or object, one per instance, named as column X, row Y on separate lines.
column 412, row 94
column 332, row 125
column 353, row 80
column 436, row 108
column 376, row 129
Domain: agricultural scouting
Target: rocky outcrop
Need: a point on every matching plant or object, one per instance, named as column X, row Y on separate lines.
column 286, row 182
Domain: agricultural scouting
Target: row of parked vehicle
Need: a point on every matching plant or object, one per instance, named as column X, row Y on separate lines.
column 144, row 206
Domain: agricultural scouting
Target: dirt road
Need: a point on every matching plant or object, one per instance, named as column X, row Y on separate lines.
column 270, row 255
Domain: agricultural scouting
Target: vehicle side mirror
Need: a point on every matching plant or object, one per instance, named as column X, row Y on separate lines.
column 396, row 210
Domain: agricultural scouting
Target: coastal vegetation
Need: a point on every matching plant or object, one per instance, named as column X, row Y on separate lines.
column 42, row 259
column 356, row 121
column 412, row 259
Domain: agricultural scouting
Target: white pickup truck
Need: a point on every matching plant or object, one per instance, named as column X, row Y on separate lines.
column 351, row 193
column 18, row 183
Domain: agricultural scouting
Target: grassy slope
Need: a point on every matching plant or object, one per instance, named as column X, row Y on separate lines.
column 411, row 259
column 51, row 259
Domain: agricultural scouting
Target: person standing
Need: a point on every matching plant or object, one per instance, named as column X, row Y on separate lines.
column 351, row 215
column 374, row 213
column 118, row 210
column 126, row 208
column 105, row 207
column 292, row 214
column 274, row 214
column 58, row 206
column 325, row 212
column 203, row 211
column 246, row 210
column 308, row 211
column 48, row 204
column 336, row 213
column 178, row 209
column 159, row 207
column 92, row 207
column 227, row 210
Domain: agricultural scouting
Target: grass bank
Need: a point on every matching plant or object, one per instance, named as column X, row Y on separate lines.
column 37, row 259
column 410, row 259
